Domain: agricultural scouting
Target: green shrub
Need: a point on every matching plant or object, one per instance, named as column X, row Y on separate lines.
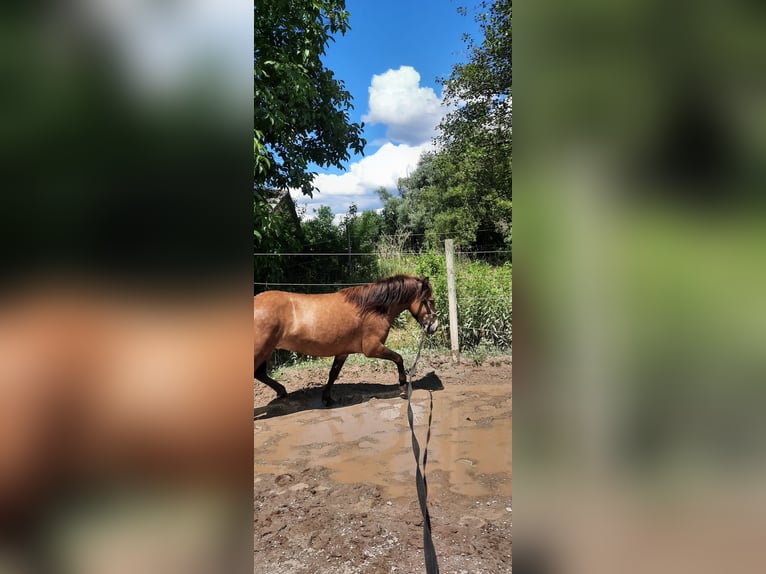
column 484, row 305
column 484, row 296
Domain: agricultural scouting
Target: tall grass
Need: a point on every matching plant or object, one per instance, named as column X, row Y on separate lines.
column 484, row 296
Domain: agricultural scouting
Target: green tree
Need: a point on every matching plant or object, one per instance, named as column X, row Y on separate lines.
column 362, row 235
column 367, row 230
column 402, row 213
column 476, row 138
column 301, row 111
column 464, row 189
column 321, row 235
column 481, row 89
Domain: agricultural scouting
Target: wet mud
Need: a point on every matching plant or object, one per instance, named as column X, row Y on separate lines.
column 334, row 488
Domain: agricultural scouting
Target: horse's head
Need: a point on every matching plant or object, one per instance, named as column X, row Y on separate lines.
column 423, row 307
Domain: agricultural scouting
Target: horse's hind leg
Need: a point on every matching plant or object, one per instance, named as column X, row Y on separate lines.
column 379, row 351
column 261, row 375
column 337, row 365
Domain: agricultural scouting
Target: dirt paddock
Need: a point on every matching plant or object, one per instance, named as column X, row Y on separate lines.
column 334, row 488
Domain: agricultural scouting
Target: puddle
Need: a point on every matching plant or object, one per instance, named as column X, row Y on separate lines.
column 470, row 452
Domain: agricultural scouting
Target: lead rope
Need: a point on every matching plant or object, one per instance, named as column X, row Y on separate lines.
column 432, row 566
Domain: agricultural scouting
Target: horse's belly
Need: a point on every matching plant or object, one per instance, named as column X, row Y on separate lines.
column 319, row 348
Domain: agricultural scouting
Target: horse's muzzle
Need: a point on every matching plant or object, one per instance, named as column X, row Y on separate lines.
column 430, row 327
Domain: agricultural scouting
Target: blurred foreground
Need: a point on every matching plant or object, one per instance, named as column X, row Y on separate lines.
column 640, row 287
column 126, row 240
column 122, row 415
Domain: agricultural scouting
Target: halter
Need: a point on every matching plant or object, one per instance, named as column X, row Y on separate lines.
column 429, row 313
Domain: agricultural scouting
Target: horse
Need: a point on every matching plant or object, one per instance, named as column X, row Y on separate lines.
column 352, row 320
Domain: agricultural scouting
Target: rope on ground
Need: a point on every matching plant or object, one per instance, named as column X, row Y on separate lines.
column 432, row 565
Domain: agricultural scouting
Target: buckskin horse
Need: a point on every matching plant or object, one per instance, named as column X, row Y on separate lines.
column 352, row 320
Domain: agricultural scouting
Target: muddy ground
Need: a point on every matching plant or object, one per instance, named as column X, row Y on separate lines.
column 334, row 488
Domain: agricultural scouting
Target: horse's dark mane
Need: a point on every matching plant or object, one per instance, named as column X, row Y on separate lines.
column 380, row 296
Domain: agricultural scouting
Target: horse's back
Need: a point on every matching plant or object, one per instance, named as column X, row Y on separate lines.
column 318, row 325
column 285, row 306
column 282, row 305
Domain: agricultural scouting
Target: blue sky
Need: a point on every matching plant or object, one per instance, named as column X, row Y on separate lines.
column 390, row 61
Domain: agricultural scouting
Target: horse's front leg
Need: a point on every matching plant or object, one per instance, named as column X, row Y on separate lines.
column 380, row 351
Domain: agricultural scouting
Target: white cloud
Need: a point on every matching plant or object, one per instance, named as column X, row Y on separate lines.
column 359, row 183
column 411, row 114
column 410, row 111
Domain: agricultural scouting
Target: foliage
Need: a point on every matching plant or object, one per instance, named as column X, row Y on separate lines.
column 475, row 139
column 403, row 213
column 322, row 236
column 276, row 230
column 481, row 89
column 300, row 108
column 366, row 230
column 356, row 234
column 273, row 230
column 464, row 189
column 300, row 113
column 485, row 305
column 484, row 297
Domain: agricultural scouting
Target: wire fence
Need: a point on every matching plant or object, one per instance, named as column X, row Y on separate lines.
column 329, row 286
column 483, row 295
column 387, row 256
column 323, row 271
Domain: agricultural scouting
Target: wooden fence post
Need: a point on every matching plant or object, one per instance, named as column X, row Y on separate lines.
column 449, row 251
